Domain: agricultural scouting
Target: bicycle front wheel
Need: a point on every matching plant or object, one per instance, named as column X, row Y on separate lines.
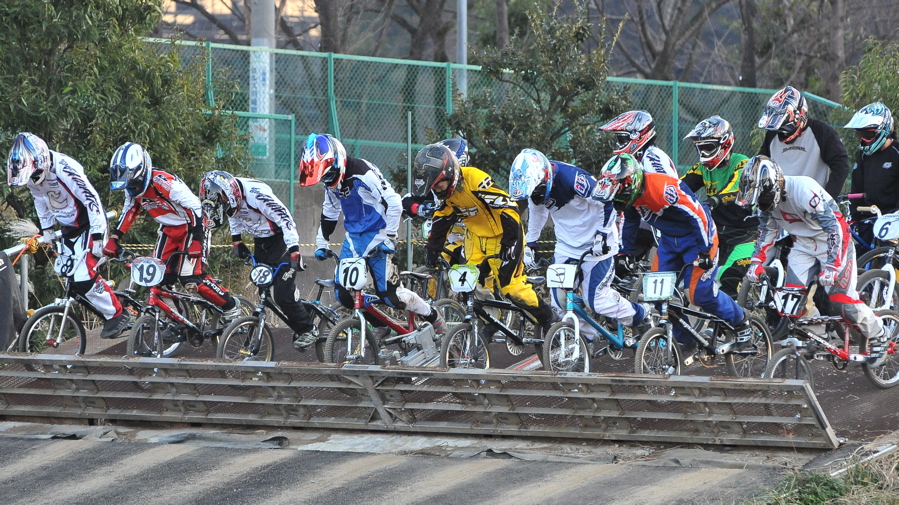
column 873, row 288
column 144, row 340
column 246, row 339
column 565, row 351
column 344, row 344
column 752, row 365
column 787, row 363
column 874, row 259
column 451, row 310
column 886, row 375
column 50, row 331
column 657, row 354
column 462, row 348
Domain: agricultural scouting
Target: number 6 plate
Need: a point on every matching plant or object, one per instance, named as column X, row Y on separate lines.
column 463, row 278
column 147, row 271
column 658, row 285
column 352, row 273
column 887, row 227
column 561, row 276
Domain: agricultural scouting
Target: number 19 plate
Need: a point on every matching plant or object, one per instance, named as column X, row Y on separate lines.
column 658, row 285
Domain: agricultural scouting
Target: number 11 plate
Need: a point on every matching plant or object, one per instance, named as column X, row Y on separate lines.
column 658, row 285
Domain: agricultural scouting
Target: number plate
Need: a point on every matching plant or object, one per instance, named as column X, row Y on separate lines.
column 147, row 271
column 426, row 228
column 658, row 285
column 463, row 278
column 561, row 276
column 262, row 275
column 790, row 303
column 352, row 273
column 64, row 265
column 887, row 227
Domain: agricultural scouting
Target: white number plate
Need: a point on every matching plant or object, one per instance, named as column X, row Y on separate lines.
column 64, row 265
column 463, row 278
column 887, row 227
column 789, row 303
column 561, row 276
column 147, row 271
column 352, row 273
column 658, row 285
column 262, row 275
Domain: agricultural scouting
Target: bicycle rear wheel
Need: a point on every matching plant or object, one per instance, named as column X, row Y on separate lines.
column 874, row 259
column 246, row 339
column 47, row 331
column 564, row 351
column 748, row 365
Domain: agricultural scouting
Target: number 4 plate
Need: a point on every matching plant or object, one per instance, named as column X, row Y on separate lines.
column 463, row 278
column 147, row 271
column 658, row 285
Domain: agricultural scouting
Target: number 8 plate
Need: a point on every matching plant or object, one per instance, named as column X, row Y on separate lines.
column 658, row 285
column 147, row 271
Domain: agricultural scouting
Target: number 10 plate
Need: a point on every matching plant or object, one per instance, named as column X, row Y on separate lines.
column 658, row 285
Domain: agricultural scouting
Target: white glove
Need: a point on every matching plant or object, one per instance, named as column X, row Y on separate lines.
column 754, row 272
column 49, row 237
column 600, row 247
column 828, row 277
column 97, row 248
column 530, row 261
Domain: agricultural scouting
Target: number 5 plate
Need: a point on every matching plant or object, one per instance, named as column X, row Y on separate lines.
column 561, row 276
column 463, row 278
column 352, row 273
column 147, row 271
column 658, row 285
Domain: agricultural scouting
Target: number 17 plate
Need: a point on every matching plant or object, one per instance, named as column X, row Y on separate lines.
column 658, row 285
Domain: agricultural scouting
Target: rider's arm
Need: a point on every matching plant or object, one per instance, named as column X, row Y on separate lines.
column 71, row 176
column 129, row 213
column 834, row 155
column 43, row 212
column 824, row 212
column 693, row 178
column 391, row 205
column 768, row 233
column 537, row 216
column 443, row 222
column 330, row 214
column 629, row 229
column 275, row 211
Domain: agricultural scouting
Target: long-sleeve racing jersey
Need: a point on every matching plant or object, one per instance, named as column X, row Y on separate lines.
column 262, row 214
column 668, row 205
column 486, row 210
column 368, row 203
column 811, row 216
column 168, row 200
column 66, row 197
column 577, row 218
column 818, row 153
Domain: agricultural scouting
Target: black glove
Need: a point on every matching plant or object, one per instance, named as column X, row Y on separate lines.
column 704, row 261
column 431, row 258
column 241, row 250
column 625, row 265
column 712, row 202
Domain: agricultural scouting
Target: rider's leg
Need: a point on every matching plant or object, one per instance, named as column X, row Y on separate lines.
column 384, row 276
column 669, row 258
column 737, row 246
column 190, row 271
column 560, row 304
column 272, row 251
column 513, row 283
column 603, row 299
column 86, row 281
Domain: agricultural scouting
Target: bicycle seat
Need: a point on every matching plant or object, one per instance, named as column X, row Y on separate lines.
column 328, row 283
column 537, row 280
column 416, row 275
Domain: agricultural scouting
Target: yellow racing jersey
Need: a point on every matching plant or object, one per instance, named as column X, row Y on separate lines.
column 478, row 203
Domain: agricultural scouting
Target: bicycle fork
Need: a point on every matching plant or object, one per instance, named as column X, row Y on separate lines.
column 62, row 325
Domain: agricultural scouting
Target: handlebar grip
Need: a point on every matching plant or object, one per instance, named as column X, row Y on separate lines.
column 855, row 196
column 872, row 209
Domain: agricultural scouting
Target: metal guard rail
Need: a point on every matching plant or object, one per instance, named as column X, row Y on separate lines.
column 627, row 407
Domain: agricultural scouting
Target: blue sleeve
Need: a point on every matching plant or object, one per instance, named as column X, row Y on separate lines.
column 629, row 231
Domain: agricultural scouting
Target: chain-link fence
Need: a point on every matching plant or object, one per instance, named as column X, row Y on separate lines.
column 366, row 102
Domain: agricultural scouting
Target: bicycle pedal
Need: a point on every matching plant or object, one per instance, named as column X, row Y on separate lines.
column 690, row 359
column 600, row 352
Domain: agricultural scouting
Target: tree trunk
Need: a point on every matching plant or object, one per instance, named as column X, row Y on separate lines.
column 502, row 23
column 329, row 23
column 837, row 50
column 748, row 76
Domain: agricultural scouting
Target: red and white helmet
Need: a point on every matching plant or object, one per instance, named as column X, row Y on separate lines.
column 633, row 131
column 324, row 160
column 714, row 140
column 786, row 114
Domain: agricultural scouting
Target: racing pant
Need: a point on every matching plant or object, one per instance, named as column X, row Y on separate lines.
column 596, row 289
column 513, row 282
column 803, row 268
column 190, row 272
column 86, row 281
column 736, row 248
column 383, row 275
column 272, row 251
column 673, row 254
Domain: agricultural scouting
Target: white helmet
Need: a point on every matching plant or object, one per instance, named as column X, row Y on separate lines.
column 29, row 159
column 130, row 169
column 531, row 176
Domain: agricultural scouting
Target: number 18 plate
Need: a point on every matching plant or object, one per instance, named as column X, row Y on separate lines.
column 658, row 285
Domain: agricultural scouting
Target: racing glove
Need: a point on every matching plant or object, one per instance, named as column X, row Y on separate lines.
column 704, row 261
column 241, row 250
column 828, row 276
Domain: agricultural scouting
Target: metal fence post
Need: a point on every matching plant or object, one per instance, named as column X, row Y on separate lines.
column 409, row 186
column 332, row 98
column 675, row 117
column 23, row 278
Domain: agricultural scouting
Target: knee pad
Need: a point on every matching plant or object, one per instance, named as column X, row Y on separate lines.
column 211, row 291
column 83, row 287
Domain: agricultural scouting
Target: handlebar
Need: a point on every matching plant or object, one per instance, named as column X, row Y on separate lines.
column 873, row 209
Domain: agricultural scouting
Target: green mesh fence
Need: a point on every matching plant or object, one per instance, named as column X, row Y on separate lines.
column 366, row 102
